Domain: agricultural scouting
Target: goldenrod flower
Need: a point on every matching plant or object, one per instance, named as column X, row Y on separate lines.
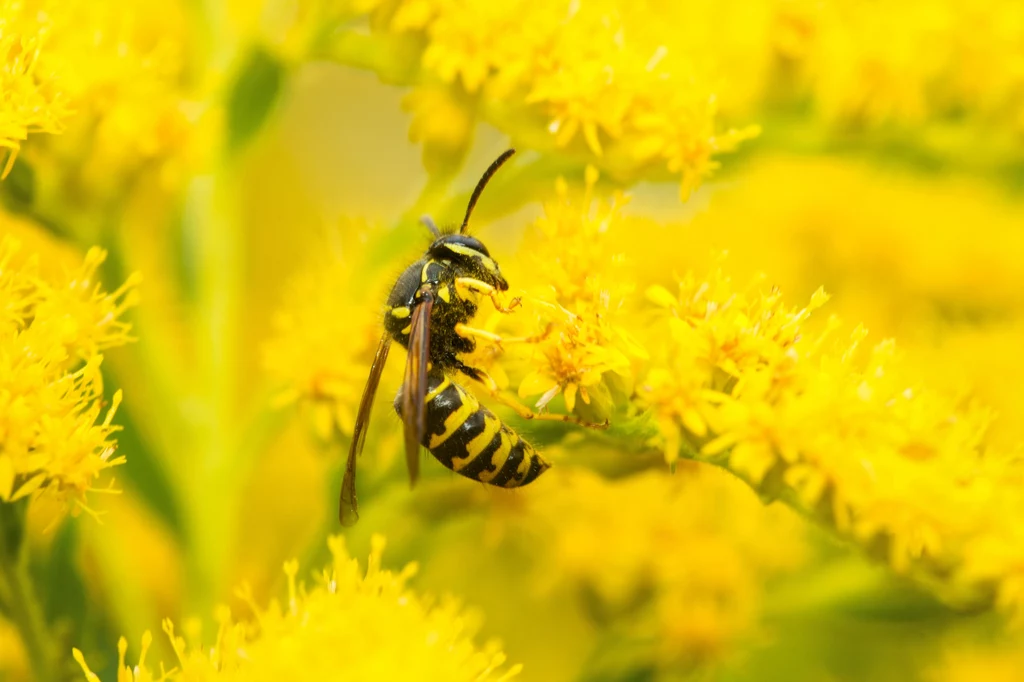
column 598, row 79
column 55, row 433
column 585, row 349
column 33, row 100
column 121, row 70
column 839, row 431
column 643, row 88
column 933, row 261
column 347, row 625
column 879, row 65
column 946, row 244
column 683, row 558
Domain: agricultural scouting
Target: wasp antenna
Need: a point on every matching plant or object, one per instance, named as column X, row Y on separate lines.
column 429, row 222
column 491, row 170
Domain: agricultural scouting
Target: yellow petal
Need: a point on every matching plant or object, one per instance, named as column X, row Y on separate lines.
column 534, row 383
column 719, row 445
column 693, row 422
column 659, row 295
column 33, row 484
column 570, row 397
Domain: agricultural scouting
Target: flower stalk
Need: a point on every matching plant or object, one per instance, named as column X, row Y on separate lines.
column 18, row 597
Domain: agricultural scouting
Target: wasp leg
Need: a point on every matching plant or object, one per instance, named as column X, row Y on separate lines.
column 497, row 339
column 472, row 285
column 526, row 413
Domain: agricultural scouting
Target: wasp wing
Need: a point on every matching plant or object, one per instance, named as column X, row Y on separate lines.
column 348, row 511
column 414, row 390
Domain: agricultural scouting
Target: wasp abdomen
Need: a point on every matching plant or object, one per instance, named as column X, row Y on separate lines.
column 470, row 440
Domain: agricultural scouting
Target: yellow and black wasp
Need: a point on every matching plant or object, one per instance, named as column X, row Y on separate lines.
column 427, row 312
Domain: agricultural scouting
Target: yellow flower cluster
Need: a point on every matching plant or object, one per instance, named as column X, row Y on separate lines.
column 52, row 332
column 683, row 558
column 120, row 67
column 641, row 88
column 874, row 64
column 609, row 82
column 933, row 261
column 348, row 625
column 840, row 432
column 584, row 347
column 911, row 246
column 32, row 100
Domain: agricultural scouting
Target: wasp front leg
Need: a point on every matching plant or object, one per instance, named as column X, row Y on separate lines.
column 498, row 340
column 495, row 391
column 471, row 285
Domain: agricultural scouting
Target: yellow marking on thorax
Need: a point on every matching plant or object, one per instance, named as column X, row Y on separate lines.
column 445, row 383
column 424, row 272
column 456, row 419
column 445, row 294
column 401, row 312
column 407, row 330
column 463, row 250
column 498, row 457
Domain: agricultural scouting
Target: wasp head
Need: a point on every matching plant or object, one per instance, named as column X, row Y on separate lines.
column 470, row 257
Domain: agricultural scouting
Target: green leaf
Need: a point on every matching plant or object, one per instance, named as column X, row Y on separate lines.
column 20, row 187
column 252, row 97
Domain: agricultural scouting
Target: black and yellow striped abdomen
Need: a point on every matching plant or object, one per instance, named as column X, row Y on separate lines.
column 470, row 440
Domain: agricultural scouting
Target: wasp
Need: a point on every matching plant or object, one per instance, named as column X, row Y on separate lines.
column 428, row 312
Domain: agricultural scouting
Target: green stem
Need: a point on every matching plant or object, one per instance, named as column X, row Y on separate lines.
column 209, row 490
column 17, row 593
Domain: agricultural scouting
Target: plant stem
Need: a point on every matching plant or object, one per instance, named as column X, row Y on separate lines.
column 17, row 594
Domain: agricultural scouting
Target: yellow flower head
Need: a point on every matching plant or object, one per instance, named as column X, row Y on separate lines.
column 922, row 59
column 32, row 100
column 599, row 79
column 52, row 438
column 121, row 69
column 584, row 349
column 839, row 431
column 347, row 625
column 682, row 559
